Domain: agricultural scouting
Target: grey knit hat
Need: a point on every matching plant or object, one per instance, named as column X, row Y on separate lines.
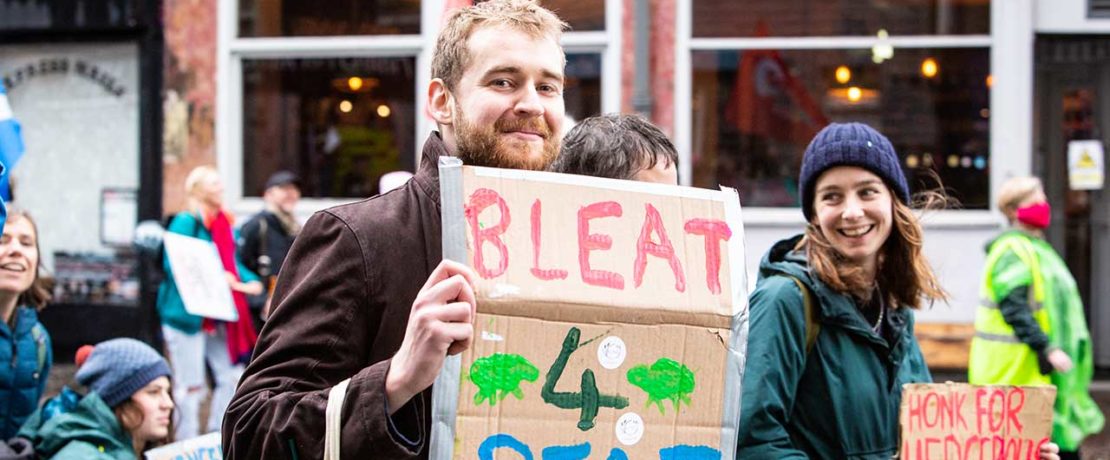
column 115, row 369
column 850, row 144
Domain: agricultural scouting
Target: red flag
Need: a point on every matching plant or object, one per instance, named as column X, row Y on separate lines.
column 763, row 82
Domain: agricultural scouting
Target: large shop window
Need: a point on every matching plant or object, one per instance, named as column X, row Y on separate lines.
column 755, row 111
column 341, row 123
column 264, row 18
column 582, row 92
column 580, row 15
column 329, row 90
column 74, row 15
column 828, row 18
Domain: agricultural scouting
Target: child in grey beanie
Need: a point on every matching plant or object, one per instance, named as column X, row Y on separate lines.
column 116, row 368
column 128, row 407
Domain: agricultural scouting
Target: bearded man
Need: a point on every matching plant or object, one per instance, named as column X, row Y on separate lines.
column 366, row 309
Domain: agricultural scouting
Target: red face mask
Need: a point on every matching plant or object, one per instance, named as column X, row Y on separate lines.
column 1037, row 215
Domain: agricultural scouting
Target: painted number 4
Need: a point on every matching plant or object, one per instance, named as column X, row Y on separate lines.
column 588, row 399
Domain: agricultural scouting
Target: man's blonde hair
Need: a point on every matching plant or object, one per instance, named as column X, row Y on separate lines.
column 1014, row 191
column 452, row 54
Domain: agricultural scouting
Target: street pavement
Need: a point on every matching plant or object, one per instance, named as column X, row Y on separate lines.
column 1095, row 448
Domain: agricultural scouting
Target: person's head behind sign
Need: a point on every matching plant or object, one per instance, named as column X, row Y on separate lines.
column 619, row 146
column 497, row 84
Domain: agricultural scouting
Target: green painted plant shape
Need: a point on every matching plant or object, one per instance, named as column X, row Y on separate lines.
column 666, row 379
column 499, row 375
column 588, row 399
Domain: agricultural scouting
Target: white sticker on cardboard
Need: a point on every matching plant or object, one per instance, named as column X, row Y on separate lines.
column 611, row 352
column 630, row 428
column 486, row 335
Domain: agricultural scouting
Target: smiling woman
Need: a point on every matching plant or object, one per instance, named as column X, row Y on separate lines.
column 842, row 293
column 832, row 318
column 23, row 290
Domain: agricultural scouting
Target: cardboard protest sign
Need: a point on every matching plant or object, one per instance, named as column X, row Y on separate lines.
column 965, row 422
column 612, row 318
column 205, row 447
column 200, row 277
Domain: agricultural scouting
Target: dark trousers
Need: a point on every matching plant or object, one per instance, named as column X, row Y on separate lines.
column 1069, row 455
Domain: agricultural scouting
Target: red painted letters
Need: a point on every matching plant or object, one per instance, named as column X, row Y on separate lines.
column 653, row 240
column 479, row 201
column 592, row 241
column 663, row 249
column 543, row 274
column 715, row 232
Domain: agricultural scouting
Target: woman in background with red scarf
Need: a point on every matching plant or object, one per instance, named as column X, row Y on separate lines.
column 193, row 340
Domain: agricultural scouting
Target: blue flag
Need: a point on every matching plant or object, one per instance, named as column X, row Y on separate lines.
column 11, row 149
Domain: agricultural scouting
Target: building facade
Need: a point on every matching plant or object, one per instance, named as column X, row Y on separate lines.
column 84, row 79
column 971, row 92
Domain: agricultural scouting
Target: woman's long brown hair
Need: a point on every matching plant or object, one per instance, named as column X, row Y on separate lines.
column 903, row 274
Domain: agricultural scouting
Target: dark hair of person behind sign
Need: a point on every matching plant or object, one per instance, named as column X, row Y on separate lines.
column 616, row 146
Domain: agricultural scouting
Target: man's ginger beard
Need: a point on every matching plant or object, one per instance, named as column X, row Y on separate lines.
column 479, row 146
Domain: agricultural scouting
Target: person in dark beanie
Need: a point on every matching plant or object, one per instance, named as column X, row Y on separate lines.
column 127, row 409
column 831, row 340
column 265, row 239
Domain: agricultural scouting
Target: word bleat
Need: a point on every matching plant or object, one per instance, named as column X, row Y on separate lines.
column 653, row 240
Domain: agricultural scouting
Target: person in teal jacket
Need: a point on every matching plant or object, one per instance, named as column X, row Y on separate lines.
column 26, row 344
column 127, row 409
column 194, row 342
column 831, row 335
column 1031, row 328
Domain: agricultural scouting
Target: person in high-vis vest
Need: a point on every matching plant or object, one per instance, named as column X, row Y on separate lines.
column 1030, row 328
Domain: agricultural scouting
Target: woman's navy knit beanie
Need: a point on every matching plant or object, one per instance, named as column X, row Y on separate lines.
column 850, row 144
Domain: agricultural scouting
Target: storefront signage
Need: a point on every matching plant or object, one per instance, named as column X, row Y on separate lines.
column 64, row 65
column 1086, row 170
column 119, row 211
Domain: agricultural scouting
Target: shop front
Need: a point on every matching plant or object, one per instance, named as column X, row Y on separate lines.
column 79, row 81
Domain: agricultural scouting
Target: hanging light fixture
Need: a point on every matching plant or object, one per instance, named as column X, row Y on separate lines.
column 355, row 83
column 929, row 67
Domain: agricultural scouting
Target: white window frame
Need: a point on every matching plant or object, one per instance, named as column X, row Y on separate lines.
column 231, row 50
column 1002, row 111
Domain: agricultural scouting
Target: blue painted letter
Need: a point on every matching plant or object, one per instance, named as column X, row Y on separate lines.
column 497, row 441
column 689, row 453
column 578, row 452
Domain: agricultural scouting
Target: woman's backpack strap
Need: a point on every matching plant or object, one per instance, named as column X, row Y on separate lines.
column 813, row 327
